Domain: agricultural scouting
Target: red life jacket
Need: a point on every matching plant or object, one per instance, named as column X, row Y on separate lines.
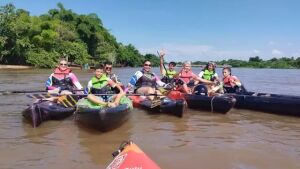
column 228, row 81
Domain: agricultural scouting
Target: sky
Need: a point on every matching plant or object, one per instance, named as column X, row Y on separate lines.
column 195, row 30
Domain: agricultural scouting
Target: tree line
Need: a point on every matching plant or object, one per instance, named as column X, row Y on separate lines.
column 257, row 62
column 41, row 40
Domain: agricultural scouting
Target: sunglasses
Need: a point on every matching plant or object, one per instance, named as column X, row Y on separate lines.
column 108, row 68
column 147, row 65
column 63, row 64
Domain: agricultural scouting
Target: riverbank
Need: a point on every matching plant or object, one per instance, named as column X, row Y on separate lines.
column 15, row 67
column 21, row 67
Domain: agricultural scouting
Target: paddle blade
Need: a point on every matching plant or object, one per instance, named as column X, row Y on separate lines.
column 68, row 100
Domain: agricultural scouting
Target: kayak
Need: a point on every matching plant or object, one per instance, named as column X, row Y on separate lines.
column 42, row 110
column 130, row 156
column 100, row 117
column 270, row 103
column 163, row 105
column 217, row 104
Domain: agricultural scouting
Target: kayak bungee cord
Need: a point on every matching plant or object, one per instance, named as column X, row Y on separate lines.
column 211, row 104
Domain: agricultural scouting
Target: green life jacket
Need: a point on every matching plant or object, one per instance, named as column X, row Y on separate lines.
column 100, row 86
column 170, row 74
column 208, row 74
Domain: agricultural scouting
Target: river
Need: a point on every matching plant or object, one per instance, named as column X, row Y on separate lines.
column 241, row 139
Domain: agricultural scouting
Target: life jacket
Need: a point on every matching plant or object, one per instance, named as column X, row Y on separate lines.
column 186, row 76
column 208, row 75
column 148, row 79
column 227, row 81
column 61, row 79
column 100, row 86
column 170, row 74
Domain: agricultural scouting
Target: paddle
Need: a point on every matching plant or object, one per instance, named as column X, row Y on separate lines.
column 27, row 91
column 48, row 95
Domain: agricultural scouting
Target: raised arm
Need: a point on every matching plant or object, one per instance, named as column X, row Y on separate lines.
column 161, row 66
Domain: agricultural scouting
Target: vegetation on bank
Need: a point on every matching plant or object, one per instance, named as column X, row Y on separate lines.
column 257, row 62
column 41, row 40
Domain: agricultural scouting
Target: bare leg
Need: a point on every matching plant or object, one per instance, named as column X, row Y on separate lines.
column 96, row 99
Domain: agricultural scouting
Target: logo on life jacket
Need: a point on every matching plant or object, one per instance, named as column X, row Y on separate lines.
column 117, row 162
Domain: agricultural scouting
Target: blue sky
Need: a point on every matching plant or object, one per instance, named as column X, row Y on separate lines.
column 194, row 29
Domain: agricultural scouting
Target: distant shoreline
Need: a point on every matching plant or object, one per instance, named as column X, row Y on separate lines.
column 22, row 67
column 15, row 67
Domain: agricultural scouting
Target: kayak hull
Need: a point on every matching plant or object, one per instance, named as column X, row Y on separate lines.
column 270, row 103
column 165, row 105
column 41, row 111
column 103, row 118
column 131, row 156
column 217, row 104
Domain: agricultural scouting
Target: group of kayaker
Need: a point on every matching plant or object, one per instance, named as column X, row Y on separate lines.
column 109, row 89
column 185, row 79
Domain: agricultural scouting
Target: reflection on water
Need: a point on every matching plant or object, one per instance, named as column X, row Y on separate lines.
column 241, row 139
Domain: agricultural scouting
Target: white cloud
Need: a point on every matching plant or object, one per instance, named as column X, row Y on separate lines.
column 271, row 43
column 255, row 51
column 276, row 52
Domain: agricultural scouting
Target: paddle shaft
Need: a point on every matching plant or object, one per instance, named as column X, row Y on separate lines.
column 28, row 91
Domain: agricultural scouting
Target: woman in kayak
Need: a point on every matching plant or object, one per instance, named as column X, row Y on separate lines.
column 185, row 79
column 145, row 82
column 101, row 84
column 231, row 84
column 209, row 73
column 62, row 80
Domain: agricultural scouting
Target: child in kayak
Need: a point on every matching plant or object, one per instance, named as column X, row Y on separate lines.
column 101, row 84
column 231, row 84
column 169, row 72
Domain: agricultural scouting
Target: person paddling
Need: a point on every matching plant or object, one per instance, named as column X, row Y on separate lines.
column 62, row 80
column 169, row 72
column 101, row 84
column 145, row 81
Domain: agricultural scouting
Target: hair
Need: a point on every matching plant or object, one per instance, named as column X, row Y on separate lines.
column 99, row 66
column 172, row 63
column 146, row 61
column 229, row 70
column 108, row 63
column 62, row 59
column 187, row 63
column 210, row 63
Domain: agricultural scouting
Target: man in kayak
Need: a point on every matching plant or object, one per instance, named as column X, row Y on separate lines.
column 231, row 84
column 62, row 80
column 185, row 79
column 101, row 84
column 145, row 81
column 108, row 70
column 169, row 72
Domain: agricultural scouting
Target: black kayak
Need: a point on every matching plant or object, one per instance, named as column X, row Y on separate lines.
column 102, row 118
column 270, row 103
column 41, row 111
column 217, row 104
column 164, row 105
